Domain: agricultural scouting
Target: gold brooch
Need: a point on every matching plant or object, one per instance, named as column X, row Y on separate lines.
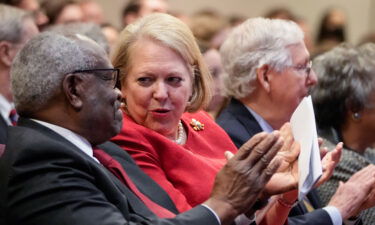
column 197, row 125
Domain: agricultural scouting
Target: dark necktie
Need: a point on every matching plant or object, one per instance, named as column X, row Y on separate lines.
column 13, row 117
column 116, row 169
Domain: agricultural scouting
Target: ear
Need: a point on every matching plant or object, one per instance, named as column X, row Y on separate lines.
column 6, row 57
column 72, row 88
column 263, row 77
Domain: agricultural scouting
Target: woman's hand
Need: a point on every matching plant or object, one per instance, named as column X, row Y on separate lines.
column 286, row 177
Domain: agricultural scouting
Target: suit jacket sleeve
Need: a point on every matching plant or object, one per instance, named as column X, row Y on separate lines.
column 318, row 216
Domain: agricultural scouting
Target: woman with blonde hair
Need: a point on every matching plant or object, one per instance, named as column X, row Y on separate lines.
column 165, row 84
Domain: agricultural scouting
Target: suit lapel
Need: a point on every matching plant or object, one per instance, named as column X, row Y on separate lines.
column 244, row 117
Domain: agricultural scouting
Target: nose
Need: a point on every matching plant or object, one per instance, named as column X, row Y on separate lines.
column 312, row 79
column 118, row 94
column 160, row 91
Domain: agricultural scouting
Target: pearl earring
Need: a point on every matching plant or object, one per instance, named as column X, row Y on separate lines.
column 356, row 116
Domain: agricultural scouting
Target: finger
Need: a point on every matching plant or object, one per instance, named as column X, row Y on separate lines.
column 286, row 133
column 323, row 152
column 228, row 155
column 259, row 152
column 248, row 147
column 320, row 141
column 336, row 154
column 266, row 159
column 270, row 170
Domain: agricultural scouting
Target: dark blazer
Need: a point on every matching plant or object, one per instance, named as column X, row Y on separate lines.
column 45, row 179
column 3, row 130
column 241, row 125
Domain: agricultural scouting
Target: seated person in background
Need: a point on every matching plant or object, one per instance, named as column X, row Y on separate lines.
column 91, row 30
column 62, row 11
column 268, row 73
column 165, row 83
column 32, row 6
column 16, row 28
column 344, row 101
column 136, row 9
column 92, row 12
column 218, row 101
column 65, row 92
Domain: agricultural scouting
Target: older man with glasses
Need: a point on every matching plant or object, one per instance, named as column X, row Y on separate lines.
column 268, row 73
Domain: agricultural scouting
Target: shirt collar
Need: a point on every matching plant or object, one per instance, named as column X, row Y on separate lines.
column 262, row 123
column 5, row 108
column 72, row 137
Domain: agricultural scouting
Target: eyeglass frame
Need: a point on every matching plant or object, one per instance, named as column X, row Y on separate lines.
column 114, row 79
column 307, row 68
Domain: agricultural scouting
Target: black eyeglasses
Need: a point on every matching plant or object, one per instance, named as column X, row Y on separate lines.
column 305, row 68
column 111, row 75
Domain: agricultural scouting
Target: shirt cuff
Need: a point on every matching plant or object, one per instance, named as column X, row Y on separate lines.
column 334, row 214
column 244, row 220
column 213, row 212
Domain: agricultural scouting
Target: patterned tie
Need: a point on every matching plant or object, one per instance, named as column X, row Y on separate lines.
column 116, row 169
column 13, row 117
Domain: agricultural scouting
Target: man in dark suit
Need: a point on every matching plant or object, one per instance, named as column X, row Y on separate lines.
column 65, row 92
column 268, row 73
column 16, row 28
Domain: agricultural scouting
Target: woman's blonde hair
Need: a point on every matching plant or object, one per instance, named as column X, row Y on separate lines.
column 173, row 33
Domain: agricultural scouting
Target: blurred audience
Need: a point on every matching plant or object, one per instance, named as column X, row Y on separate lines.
column 280, row 13
column 16, row 28
column 218, row 100
column 62, row 11
column 206, row 25
column 332, row 30
column 136, row 9
column 235, row 20
column 92, row 12
column 112, row 35
column 344, row 101
column 32, row 6
column 91, row 30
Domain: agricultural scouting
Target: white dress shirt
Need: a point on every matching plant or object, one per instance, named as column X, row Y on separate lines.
column 72, row 137
column 5, row 108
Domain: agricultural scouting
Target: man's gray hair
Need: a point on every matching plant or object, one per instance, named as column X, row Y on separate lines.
column 12, row 23
column 90, row 30
column 346, row 77
column 254, row 43
column 39, row 68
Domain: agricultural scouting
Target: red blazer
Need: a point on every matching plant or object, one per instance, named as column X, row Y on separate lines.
column 186, row 172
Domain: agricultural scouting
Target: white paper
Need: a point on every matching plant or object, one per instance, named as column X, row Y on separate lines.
column 304, row 132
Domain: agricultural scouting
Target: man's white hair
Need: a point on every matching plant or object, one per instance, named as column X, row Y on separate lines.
column 254, row 43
